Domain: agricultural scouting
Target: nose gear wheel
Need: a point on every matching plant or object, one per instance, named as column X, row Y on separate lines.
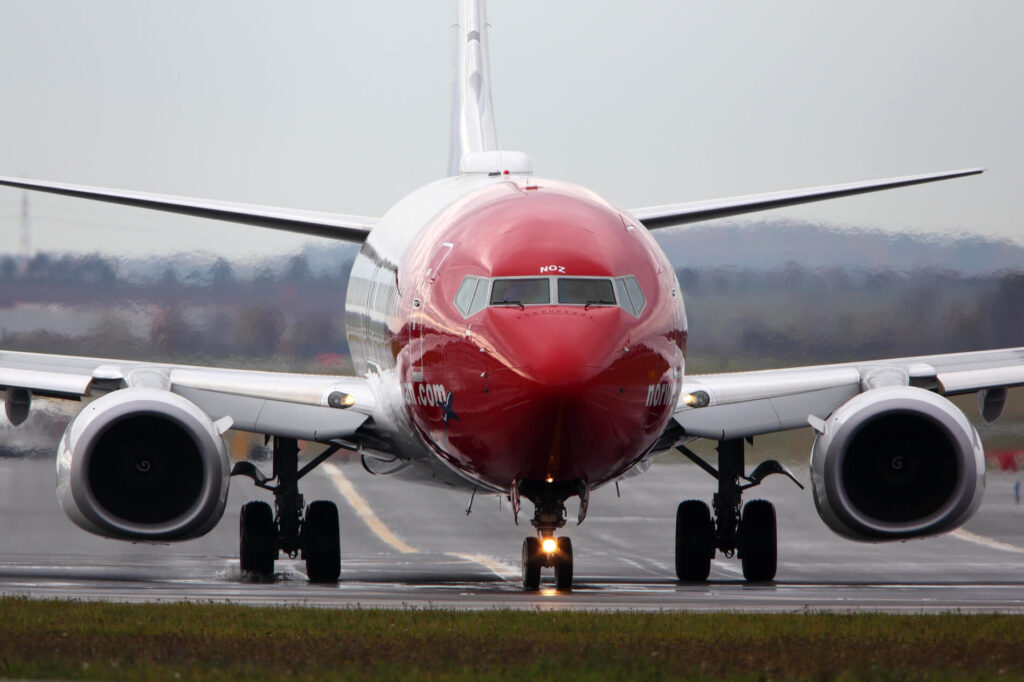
column 563, row 564
column 532, row 563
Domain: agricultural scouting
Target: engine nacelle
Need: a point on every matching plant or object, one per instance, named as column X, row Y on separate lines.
column 143, row 464
column 897, row 462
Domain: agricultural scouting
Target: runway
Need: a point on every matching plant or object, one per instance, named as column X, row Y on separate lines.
column 411, row 546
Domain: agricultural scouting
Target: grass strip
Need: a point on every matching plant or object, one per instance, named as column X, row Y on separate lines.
column 103, row 641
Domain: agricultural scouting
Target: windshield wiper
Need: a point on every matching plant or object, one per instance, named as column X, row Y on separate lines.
column 590, row 303
column 518, row 303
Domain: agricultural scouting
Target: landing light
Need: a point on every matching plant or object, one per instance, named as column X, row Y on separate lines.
column 548, row 545
column 340, row 400
column 696, row 399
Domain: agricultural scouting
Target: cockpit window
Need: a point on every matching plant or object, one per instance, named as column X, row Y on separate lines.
column 521, row 291
column 476, row 293
column 480, row 297
column 620, row 291
column 471, row 297
column 635, row 301
column 590, row 291
column 464, row 296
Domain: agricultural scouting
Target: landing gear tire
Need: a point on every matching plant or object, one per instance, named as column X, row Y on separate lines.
column 321, row 542
column 257, row 539
column 563, row 564
column 759, row 541
column 532, row 562
column 695, row 541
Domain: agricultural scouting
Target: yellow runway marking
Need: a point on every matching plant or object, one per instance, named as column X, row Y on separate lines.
column 986, row 542
column 380, row 529
column 499, row 568
column 364, row 510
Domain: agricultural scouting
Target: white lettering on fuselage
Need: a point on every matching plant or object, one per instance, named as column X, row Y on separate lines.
column 658, row 394
column 425, row 395
column 560, row 269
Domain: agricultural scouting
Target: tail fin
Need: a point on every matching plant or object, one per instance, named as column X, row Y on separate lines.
column 472, row 110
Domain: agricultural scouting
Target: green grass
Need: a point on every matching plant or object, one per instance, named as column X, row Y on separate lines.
column 75, row 640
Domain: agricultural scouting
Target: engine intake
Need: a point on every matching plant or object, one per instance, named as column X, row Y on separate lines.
column 143, row 464
column 897, row 462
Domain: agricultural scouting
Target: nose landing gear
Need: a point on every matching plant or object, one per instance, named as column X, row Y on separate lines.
column 545, row 550
column 752, row 535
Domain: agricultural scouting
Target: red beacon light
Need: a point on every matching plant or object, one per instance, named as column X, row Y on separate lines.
column 496, row 162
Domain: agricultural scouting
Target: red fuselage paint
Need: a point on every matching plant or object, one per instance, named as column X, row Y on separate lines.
column 546, row 391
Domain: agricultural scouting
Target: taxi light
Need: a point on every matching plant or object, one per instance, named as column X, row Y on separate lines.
column 696, row 399
column 548, row 545
column 340, row 400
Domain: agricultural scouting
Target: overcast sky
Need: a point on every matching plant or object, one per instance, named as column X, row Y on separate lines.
column 344, row 106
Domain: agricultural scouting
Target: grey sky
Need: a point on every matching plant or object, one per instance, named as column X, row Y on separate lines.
column 344, row 106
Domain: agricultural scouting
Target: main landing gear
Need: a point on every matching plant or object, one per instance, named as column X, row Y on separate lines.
column 750, row 535
column 545, row 550
column 262, row 533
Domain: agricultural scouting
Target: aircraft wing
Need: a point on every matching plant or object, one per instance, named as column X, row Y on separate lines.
column 678, row 214
column 305, row 406
column 746, row 404
column 331, row 225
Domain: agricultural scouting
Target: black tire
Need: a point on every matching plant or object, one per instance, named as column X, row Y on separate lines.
column 563, row 564
column 695, row 541
column 321, row 542
column 758, row 541
column 257, row 539
column 531, row 564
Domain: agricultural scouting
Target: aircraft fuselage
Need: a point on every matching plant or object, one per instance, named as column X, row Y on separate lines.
column 557, row 368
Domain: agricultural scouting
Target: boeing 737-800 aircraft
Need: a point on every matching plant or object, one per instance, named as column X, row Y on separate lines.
column 520, row 336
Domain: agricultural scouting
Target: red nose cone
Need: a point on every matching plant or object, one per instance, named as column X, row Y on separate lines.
column 563, row 397
column 561, row 350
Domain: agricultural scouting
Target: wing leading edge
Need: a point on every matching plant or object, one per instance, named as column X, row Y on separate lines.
column 691, row 212
column 318, row 224
column 746, row 404
column 306, row 406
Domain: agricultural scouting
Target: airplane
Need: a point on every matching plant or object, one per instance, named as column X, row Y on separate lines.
column 518, row 336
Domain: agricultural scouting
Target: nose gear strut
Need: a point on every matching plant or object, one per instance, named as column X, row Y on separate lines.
column 545, row 550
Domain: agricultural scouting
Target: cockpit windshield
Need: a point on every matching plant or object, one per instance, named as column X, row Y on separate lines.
column 519, row 291
column 590, row 291
column 477, row 293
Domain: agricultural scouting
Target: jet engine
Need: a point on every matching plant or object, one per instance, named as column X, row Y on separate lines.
column 143, row 464
column 897, row 462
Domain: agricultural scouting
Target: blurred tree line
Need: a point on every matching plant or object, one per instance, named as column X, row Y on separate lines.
column 794, row 315
column 289, row 316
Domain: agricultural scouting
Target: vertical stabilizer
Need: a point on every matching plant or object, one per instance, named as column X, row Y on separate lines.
column 472, row 109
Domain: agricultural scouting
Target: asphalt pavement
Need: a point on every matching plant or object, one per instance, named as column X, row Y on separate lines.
column 408, row 545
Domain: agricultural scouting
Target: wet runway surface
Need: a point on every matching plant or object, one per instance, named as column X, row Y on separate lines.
column 406, row 545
